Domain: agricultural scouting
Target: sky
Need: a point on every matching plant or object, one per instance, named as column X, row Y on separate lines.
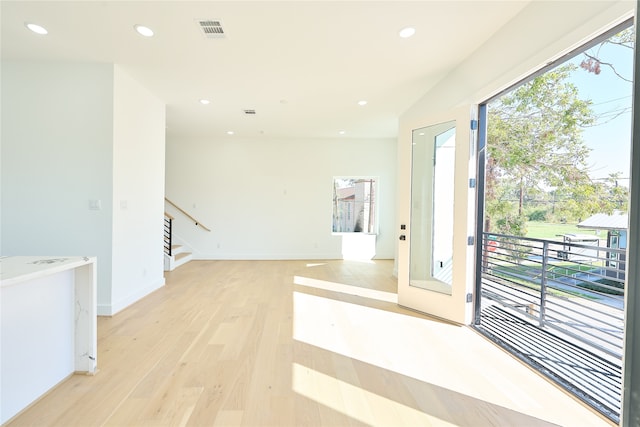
column 610, row 139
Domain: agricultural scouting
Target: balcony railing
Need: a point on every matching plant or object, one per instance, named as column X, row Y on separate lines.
column 560, row 305
column 574, row 289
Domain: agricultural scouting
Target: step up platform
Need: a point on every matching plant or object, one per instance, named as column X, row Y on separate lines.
column 180, row 255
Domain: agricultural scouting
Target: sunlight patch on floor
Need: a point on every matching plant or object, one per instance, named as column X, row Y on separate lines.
column 392, row 341
column 429, row 351
column 346, row 289
column 355, row 402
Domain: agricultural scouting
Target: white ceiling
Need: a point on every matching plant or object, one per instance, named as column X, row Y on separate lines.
column 302, row 65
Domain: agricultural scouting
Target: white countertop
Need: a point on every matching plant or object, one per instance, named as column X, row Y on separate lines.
column 17, row 269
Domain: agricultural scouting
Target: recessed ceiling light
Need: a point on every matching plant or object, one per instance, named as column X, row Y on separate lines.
column 205, row 102
column 342, row 132
column 362, row 103
column 36, row 28
column 407, row 32
column 143, row 31
column 230, row 132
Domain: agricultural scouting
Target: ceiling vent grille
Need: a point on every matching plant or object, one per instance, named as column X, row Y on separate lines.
column 211, row 29
column 249, row 112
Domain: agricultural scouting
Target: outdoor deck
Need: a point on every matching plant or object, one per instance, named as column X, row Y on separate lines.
column 593, row 379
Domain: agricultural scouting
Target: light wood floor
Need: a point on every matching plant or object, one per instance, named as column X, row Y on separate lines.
column 296, row 343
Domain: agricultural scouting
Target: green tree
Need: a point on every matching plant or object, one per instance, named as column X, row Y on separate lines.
column 534, row 142
column 575, row 203
column 594, row 61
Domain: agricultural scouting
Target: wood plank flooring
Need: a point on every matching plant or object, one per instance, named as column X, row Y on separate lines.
column 296, row 343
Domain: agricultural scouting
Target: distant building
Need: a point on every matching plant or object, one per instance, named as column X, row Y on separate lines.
column 354, row 209
column 616, row 226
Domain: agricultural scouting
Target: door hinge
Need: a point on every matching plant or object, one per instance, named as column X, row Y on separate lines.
column 472, row 183
column 469, row 297
column 474, row 125
column 470, row 241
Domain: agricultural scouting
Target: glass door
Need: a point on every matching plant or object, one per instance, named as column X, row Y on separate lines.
column 438, row 242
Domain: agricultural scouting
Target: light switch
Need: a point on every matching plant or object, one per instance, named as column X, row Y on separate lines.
column 95, row 205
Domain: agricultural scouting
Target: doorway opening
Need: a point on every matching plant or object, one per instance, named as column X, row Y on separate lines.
column 553, row 185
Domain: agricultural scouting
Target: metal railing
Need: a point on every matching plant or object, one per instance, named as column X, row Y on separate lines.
column 168, row 232
column 574, row 290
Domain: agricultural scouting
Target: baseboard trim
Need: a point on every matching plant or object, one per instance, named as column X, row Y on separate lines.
column 104, row 310
column 112, row 309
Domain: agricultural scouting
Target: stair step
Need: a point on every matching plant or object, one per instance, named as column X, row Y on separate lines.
column 182, row 255
column 177, row 249
column 179, row 255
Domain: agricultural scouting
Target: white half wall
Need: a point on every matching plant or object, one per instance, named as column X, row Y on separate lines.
column 138, row 191
column 266, row 198
column 37, row 329
column 57, row 133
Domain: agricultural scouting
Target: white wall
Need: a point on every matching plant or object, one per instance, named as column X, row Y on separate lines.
column 272, row 199
column 138, row 191
column 56, row 154
column 75, row 132
column 542, row 32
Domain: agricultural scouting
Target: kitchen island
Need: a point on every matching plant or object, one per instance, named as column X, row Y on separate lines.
column 48, row 326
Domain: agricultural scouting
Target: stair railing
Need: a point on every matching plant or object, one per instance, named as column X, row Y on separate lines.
column 198, row 223
column 168, row 232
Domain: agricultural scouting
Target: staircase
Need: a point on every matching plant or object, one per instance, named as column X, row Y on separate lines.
column 174, row 255
column 179, row 255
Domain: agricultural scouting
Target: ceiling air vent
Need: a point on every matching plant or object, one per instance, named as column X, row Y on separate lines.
column 249, row 112
column 211, row 29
